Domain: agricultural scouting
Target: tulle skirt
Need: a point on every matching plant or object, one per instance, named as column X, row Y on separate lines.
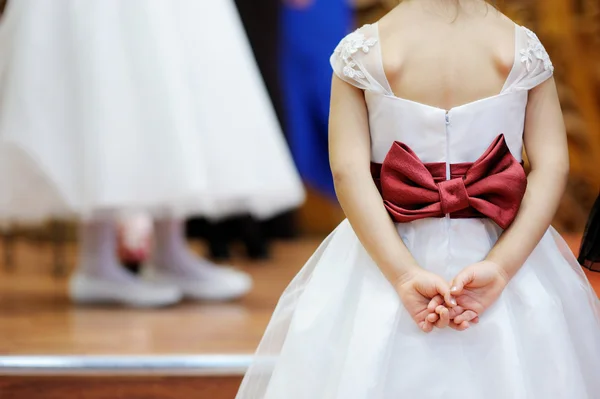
column 109, row 105
column 340, row 331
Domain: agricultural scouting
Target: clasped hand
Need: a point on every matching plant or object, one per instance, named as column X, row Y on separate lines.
column 433, row 302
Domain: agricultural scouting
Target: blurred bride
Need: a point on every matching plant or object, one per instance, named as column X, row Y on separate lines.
column 109, row 107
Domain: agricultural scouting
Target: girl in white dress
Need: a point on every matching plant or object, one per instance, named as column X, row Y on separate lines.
column 112, row 106
column 446, row 280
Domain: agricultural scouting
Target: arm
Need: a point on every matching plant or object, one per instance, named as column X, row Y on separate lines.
column 479, row 285
column 350, row 157
column 546, row 145
column 420, row 291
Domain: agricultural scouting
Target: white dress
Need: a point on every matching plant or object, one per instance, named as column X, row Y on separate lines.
column 146, row 105
column 340, row 330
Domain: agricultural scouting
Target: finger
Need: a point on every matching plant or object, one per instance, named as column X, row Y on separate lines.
column 455, row 326
column 463, row 317
column 426, row 326
column 442, row 313
column 432, row 317
column 435, row 302
column 450, row 300
column 455, row 311
column 463, row 279
column 444, row 320
column 475, row 320
column 460, row 327
column 458, row 284
column 442, row 287
column 467, row 315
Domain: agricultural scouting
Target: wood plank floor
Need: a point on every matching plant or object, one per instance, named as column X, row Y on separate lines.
column 118, row 387
column 36, row 317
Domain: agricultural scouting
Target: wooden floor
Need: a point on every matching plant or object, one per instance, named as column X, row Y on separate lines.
column 122, row 387
column 36, row 317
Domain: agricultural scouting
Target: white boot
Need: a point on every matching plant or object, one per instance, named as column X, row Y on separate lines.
column 100, row 278
column 199, row 279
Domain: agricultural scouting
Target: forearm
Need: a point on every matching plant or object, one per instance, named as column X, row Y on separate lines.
column 544, row 191
column 364, row 209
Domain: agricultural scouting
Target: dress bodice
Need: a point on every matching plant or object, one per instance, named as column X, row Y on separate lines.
column 460, row 134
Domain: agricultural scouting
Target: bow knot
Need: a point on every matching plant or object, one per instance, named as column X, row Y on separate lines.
column 453, row 195
column 492, row 186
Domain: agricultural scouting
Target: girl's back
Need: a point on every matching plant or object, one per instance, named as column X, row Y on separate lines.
column 446, row 53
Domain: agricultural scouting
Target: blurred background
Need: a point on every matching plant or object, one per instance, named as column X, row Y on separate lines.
column 201, row 348
column 569, row 29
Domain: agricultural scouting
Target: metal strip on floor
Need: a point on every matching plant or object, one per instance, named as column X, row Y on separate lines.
column 184, row 365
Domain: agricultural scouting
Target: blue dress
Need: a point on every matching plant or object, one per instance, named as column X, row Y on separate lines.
column 308, row 35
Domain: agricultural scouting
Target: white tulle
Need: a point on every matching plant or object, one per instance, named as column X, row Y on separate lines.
column 340, row 331
column 146, row 105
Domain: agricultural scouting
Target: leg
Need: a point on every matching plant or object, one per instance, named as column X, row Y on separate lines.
column 219, row 239
column 252, row 234
column 100, row 278
column 173, row 262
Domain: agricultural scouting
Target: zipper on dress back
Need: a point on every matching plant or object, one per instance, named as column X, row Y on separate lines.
column 447, row 120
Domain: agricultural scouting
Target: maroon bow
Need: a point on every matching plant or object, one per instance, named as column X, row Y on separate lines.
column 491, row 187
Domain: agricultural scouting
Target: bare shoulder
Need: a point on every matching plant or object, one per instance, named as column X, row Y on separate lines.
column 497, row 32
column 395, row 22
column 496, row 22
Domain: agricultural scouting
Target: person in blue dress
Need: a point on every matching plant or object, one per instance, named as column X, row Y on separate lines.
column 310, row 29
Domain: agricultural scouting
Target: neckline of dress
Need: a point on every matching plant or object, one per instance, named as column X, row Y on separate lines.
column 449, row 110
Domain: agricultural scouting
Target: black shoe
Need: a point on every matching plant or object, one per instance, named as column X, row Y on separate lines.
column 133, row 267
column 256, row 242
column 218, row 241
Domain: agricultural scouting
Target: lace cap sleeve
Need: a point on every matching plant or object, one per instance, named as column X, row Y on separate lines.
column 535, row 63
column 356, row 59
